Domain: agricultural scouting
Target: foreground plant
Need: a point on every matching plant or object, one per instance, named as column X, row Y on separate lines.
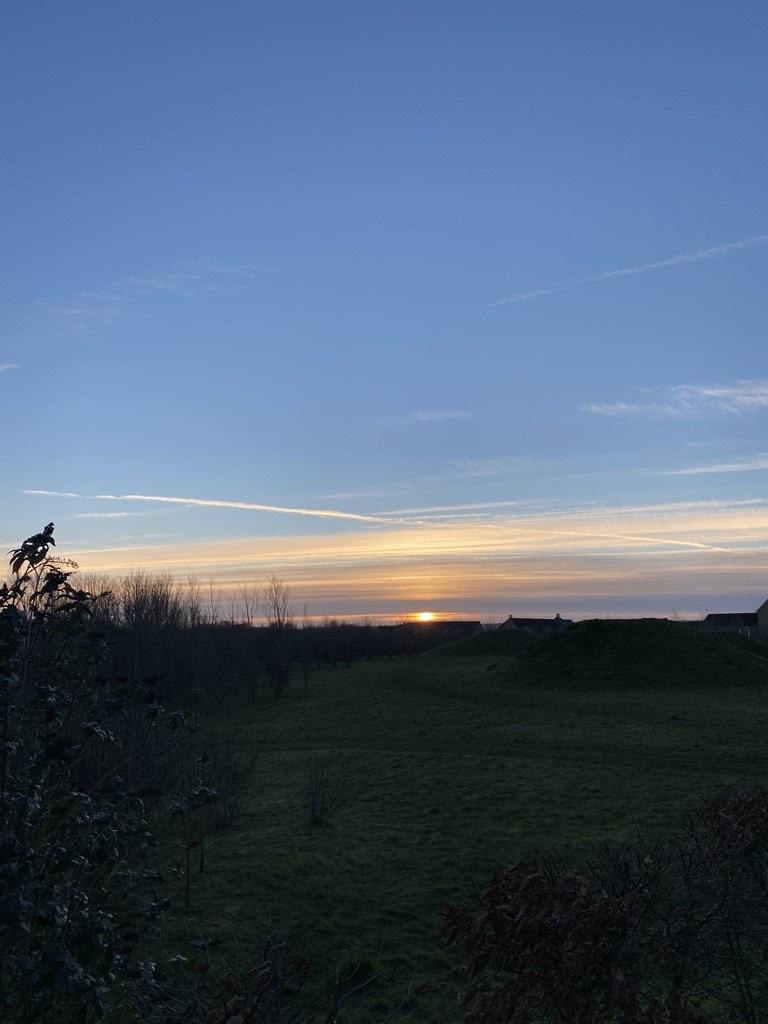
column 661, row 931
column 78, row 894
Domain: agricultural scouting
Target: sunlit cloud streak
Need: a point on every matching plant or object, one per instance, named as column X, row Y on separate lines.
column 535, row 509
column 246, row 506
column 7, row 367
column 52, row 494
column 691, row 401
column 108, row 515
column 696, row 256
column 464, row 507
column 617, row 555
column 528, row 511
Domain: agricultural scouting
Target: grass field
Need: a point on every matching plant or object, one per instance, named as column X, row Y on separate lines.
column 451, row 767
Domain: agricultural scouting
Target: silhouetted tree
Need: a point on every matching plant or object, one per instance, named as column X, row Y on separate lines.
column 276, row 604
column 77, row 891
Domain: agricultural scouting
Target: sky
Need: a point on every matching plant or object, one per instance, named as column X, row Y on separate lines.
column 419, row 306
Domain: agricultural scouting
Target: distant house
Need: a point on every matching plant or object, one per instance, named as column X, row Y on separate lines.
column 543, row 626
column 448, row 630
column 738, row 622
column 441, row 631
column 413, row 637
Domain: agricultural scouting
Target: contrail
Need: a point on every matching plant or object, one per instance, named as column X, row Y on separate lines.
column 248, row 506
column 687, row 257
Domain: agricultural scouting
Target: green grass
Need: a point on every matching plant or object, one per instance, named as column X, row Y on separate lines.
column 454, row 766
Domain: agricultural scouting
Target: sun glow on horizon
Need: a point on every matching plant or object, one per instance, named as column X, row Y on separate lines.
column 584, row 560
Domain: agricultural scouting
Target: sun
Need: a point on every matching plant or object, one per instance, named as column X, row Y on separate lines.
column 425, row 616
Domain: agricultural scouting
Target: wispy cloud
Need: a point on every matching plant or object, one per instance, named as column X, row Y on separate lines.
column 519, row 511
column 618, row 408
column 7, row 367
column 752, row 464
column 690, row 401
column 105, row 306
column 454, row 469
column 424, row 416
column 494, row 466
column 585, row 522
column 241, row 269
column 52, row 494
column 246, row 506
column 430, row 415
column 362, row 492
column 696, row 256
column 473, row 506
column 201, row 277
column 108, row 515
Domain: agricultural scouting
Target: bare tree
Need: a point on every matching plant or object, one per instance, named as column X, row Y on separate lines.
column 276, row 609
column 250, row 595
column 148, row 601
column 213, row 603
column 276, row 604
column 194, row 605
column 105, row 595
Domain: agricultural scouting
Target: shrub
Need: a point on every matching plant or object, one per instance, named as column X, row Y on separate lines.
column 660, row 931
column 78, row 890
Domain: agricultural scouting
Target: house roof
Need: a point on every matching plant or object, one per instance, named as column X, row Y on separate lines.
column 732, row 619
column 523, row 623
column 438, row 624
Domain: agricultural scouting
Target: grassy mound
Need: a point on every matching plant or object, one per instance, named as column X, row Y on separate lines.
column 644, row 652
column 494, row 643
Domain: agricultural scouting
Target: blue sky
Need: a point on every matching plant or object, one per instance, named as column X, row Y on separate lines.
column 360, row 258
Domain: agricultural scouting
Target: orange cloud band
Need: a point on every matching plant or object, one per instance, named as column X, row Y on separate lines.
column 632, row 555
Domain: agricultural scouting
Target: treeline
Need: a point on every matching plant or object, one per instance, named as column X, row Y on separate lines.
column 207, row 647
